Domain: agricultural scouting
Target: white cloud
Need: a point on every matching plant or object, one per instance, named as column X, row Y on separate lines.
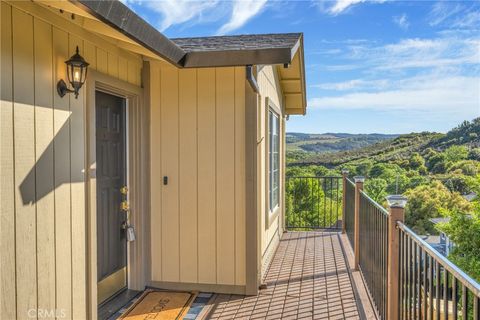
column 417, row 53
column 455, row 94
column 402, row 21
column 469, row 20
column 179, row 11
column 176, row 12
column 441, row 11
column 342, row 5
column 455, row 15
column 242, row 11
column 354, row 84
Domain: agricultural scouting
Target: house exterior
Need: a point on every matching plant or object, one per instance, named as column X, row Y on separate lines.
column 182, row 140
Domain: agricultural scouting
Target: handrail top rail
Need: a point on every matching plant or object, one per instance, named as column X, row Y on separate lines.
column 314, row 177
column 375, row 203
column 464, row 278
column 351, row 182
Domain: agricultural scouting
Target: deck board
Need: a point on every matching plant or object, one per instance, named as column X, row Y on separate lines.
column 308, row 278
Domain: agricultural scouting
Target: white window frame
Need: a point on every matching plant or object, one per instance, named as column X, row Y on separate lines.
column 273, row 154
column 272, row 213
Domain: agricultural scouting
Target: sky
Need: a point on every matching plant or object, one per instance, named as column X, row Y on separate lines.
column 380, row 66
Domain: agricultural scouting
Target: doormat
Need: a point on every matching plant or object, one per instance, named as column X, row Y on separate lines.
column 160, row 305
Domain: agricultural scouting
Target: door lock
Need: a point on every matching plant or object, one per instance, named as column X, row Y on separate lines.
column 124, row 205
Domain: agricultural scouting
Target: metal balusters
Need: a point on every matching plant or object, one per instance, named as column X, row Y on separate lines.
column 431, row 286
column 313, row 202
column 464, row 302
column 476, row 308
column 430, row 306
column 454, row 298
column 445, row 294
column 374, row 250
column 437, row 290
column 425, row 285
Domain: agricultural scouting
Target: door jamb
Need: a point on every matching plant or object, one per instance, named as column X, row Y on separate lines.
column 135, row 257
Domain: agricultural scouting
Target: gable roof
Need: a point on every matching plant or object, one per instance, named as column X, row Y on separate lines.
column 239, row 50
column 239, row 42
column 219, row 51
column 195, row 52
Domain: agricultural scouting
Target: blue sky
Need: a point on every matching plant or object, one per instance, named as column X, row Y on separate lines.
column 372, row 65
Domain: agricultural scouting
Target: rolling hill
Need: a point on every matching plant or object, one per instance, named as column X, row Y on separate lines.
column 332, row 142
column 331, row 150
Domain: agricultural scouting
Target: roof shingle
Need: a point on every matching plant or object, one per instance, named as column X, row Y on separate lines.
column 240, row 42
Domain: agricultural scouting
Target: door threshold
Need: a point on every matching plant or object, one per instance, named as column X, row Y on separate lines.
column 109, row 308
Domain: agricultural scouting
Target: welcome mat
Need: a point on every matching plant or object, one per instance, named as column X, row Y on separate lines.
column 160, row 305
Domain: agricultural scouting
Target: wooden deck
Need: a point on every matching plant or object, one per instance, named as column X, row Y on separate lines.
column 309, row 278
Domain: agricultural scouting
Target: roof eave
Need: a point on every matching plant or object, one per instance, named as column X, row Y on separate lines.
column 304, row 86
column 119, row 16
column 299, row 109
column 224, row 58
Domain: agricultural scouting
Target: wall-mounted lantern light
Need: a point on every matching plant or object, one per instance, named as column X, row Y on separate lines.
column 76, row 72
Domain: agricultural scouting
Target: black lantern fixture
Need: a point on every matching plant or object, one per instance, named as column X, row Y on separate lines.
column 77, row 73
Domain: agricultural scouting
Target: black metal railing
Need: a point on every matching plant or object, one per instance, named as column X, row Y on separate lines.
column 373, row 257
column 313, row 202
column 431, row 286
column 350, row 211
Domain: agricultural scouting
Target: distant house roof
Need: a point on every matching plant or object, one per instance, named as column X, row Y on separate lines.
column 470, row 197
column 440, row 220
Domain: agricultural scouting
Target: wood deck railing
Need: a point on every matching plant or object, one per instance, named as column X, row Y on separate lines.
column 406, row 278
column 431, row 286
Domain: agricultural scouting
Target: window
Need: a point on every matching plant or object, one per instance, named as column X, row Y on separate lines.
column 274, row 159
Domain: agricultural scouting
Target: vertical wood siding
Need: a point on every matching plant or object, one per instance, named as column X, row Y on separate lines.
column 43, row 214
column 270, row 88
column 198, row 142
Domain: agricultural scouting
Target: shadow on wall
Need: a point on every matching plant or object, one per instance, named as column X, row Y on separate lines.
column 52, row 169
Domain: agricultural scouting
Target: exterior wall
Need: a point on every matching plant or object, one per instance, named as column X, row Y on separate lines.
column 271, row 229
column 197, row 141
column 43, row 152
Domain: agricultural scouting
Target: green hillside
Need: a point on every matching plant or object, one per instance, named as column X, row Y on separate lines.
column 303, row 149
column 399, row 147
column 332, row 142
column 439, row 174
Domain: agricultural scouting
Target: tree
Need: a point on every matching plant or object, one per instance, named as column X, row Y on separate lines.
column 431, row 201
column 416, row 160
column 466, row 167
column 363, row 167
column 376, row 188
column 437, row 163
column 456, row 153
column 463, row 230
column 474, row 154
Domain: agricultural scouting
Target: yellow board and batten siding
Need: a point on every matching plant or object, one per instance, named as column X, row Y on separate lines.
column 43, row 214
column 197, row 140
column 269, row 87
column 198, row 143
